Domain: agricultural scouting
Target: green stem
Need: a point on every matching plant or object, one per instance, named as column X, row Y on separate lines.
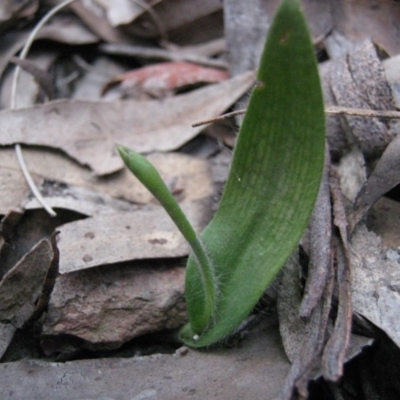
column 151, row 179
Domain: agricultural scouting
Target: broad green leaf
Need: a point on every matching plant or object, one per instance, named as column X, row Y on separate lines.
column 272, row 185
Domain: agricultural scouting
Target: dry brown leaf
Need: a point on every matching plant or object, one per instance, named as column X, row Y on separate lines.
column 160, row 79
column 189, row 177
column 22, row 285
column 124, row 236
column 88, row 131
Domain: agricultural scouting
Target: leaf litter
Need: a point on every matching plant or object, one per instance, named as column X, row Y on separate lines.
column 144, row 126
column 97, row 188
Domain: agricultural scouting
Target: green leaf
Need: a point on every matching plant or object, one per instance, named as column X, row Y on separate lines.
column 272, row 185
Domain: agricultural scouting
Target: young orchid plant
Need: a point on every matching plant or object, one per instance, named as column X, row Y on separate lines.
column 270, row 192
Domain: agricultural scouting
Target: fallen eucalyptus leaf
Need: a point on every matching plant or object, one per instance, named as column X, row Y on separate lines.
column 122, row 236
column 161, row 79
column 188, row 177
column 144, row 126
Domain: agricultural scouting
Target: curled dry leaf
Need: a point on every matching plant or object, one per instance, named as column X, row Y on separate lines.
column 303, row 341
column 320, row 243
column 87, row 131
column 336, row 348
column 165, row 77
column 384, row 177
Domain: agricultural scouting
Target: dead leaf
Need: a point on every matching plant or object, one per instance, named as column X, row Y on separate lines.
column 200, row 54
column 22, row 285
column 336, row 348
column 122, row 12
column 159, row 79
column 12, row 10
column 61, row 28
column 80, row 200
column 320, row 246
column 96, row 22
column 364, row 19
column 49, row 282
column 29, row 91
column 40, row 76
column 7, row 332
column 124, row 236
column 383, row 220
column 376, row 281
column 172, row 15
column 189, row 177
column 87, row 131
column 385, row 176
column 358, row 81
column 96, row 75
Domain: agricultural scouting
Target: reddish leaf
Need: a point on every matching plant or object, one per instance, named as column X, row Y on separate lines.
column 168, row 76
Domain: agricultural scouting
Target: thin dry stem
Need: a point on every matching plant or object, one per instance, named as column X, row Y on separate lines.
column 357, row 112
column 18, row 149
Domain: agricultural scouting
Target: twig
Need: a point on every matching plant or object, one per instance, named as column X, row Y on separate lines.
column 335, row 110
column 22, row 56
